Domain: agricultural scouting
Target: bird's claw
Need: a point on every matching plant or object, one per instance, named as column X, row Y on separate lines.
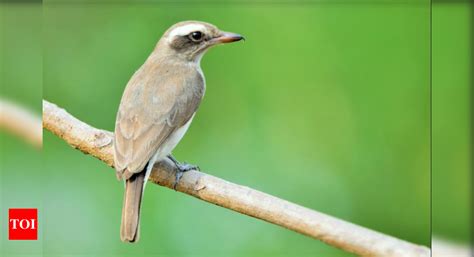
column 178, row 176
column 181, row 169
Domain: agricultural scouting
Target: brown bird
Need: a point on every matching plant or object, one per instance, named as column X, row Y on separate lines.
column 157, row 107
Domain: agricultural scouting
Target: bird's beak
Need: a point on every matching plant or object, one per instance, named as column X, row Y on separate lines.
column 227, row 37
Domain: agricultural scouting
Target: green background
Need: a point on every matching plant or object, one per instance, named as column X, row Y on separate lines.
column 325, row 105
column 452, row 131
column 21, row 174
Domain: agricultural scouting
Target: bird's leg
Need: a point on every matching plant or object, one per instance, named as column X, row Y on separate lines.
column 181, row 169
column 176, row 162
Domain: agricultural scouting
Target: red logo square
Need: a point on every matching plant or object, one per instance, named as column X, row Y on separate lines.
column 22, row 224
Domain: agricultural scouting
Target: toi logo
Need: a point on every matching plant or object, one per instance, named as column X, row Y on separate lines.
column 22, row 224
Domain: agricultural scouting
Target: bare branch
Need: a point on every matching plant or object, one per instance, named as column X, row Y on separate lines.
column 338, row 233
column 19, row 121
column 442, row 247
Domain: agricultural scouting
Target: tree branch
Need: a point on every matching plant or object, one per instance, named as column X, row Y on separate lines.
column 338, row 233
column 22, row 122
column 442, row 247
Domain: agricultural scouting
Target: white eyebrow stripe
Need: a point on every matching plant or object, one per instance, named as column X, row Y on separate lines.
column 186, row 29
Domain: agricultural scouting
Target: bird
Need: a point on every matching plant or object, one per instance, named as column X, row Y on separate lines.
column 156, row 109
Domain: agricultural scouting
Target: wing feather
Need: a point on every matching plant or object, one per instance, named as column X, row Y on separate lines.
column 156, row 102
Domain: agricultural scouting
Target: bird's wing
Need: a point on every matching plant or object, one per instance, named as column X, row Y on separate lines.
column 153, row 106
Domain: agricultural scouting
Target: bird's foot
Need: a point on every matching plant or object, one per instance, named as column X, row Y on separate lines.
column 181, row 169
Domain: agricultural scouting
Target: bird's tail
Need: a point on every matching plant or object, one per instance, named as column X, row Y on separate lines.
column 129, row 229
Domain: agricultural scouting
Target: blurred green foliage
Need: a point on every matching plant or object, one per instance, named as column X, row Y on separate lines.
column 325, row 105
column 21, row 173
column 452, row 157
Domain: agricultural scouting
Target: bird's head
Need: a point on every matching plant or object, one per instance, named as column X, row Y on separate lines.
column 191, row 39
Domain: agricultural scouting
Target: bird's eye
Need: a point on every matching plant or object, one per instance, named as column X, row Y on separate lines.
column 196, row 36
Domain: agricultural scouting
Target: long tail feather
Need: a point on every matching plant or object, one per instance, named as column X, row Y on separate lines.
column 129, row 229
